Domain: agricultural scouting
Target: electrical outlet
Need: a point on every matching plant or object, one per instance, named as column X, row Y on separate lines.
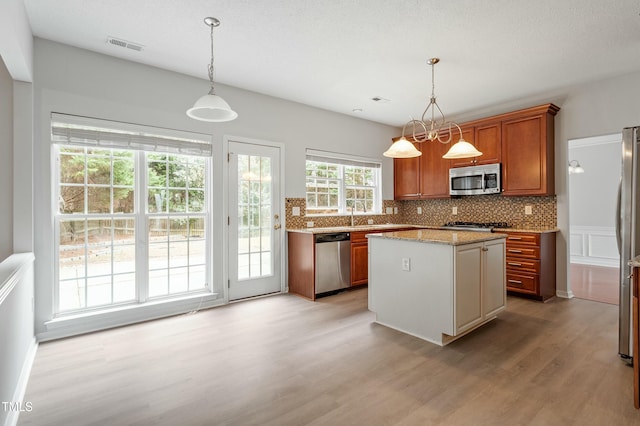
column 406, row 264
column 370, row 221
column 454, row 210
column 395, row 210
column 295, row 211
column 528, row 210
column 309, row 224
column 389, row 210
column 419, row 210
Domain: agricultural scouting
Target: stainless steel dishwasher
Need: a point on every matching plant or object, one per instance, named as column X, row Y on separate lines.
column 333, row 261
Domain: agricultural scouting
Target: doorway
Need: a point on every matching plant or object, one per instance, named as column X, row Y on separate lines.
column 594, row 175
column 255, row 219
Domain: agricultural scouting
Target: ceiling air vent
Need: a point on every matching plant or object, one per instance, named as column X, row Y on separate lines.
column 379, row 99
column 123, row 43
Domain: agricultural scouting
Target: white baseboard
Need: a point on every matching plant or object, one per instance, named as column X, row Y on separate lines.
column 21, row 387
column 564, row 294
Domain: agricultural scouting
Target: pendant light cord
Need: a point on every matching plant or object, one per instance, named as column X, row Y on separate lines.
column 212, row 91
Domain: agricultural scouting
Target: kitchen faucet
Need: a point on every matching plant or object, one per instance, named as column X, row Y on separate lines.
column 353, row 207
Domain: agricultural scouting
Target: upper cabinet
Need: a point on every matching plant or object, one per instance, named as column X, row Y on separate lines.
column 523, row 141
column 422, row 177
column 486, row 138
column 528, row 151
column 406, row 178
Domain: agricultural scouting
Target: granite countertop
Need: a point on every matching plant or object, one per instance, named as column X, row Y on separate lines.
column 379, row 228
column 435, row 236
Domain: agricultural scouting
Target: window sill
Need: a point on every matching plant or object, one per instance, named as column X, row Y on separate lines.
column 86, row 322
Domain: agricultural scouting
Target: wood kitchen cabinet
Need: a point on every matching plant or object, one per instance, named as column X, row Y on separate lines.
column 422, row 177
column 406, row 178
column 531, row 264
column 528, row 151
column 359, row 258
column 523, row 141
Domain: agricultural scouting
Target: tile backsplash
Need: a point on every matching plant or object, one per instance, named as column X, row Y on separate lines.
column 484, row 208
column 479, row 208
column 296, row 222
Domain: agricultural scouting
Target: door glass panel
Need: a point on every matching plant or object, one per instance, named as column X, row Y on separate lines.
column 255, row 218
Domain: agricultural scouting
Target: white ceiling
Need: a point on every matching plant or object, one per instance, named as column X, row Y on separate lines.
column 338, row 54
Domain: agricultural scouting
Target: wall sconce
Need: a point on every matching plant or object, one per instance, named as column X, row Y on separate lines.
column 575, row 167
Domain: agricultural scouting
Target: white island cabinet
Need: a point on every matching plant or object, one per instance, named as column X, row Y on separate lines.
column 436, row 285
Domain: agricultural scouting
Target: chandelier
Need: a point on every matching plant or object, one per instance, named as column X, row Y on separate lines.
column 431, row 127
column 211, row 107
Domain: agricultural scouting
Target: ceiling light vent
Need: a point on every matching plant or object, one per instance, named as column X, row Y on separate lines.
column 123, row 43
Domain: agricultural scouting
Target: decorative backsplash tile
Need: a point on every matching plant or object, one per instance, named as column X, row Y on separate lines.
column 295, row 222
column 479, row 208
column 484, row 208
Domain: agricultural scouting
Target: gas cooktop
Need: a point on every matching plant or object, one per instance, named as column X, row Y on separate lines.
column 475, row 226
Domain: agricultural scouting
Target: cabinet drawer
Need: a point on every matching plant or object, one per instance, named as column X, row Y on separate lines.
column 523, row 251
column 522, row 283
column 522, row 238
column 516, row 264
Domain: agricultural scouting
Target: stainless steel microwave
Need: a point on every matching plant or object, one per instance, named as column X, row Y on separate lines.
column 475, row 180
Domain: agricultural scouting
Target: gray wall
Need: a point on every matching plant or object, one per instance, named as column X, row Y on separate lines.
column 6, row 162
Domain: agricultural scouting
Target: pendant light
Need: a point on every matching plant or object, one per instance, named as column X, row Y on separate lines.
column 431, row 129
column 211, row 107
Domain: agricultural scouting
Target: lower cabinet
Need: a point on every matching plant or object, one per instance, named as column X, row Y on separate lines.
column 531, row 264
column 359, row 258
column 479, row 283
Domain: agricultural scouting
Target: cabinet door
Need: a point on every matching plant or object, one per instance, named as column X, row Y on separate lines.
column 527, row 160
column 468, row 286
column 488, row 141
column 434, row 170
column 359, row 263
column 468, row 134
column 406, row 183
column 494, row 288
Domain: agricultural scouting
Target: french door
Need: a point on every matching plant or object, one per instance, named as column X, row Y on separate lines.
column 255, row 230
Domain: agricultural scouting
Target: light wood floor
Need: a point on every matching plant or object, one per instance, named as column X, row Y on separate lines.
column 597, row 283
column 283, row 360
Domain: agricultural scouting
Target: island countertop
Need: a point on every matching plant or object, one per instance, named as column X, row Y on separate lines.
column 434, row 236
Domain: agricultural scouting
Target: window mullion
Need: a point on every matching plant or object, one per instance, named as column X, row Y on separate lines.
column 342, row 207
column 142, row 227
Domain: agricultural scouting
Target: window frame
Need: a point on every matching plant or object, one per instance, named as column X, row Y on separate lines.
column 343, row 162
column 193, row 148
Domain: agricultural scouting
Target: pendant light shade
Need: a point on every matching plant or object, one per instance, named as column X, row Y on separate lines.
column 402, row 148
column 211, row 107
column 462, row 149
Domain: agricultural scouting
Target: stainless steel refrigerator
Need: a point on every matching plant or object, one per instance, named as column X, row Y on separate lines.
column 628, row 232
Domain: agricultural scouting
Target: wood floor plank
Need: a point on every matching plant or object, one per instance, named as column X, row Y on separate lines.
column 283, row 360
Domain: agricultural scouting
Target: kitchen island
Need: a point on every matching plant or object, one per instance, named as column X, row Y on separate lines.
column 434, row 284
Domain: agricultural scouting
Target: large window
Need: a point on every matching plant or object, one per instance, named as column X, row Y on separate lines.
column 338, row 184
column 131, row 221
